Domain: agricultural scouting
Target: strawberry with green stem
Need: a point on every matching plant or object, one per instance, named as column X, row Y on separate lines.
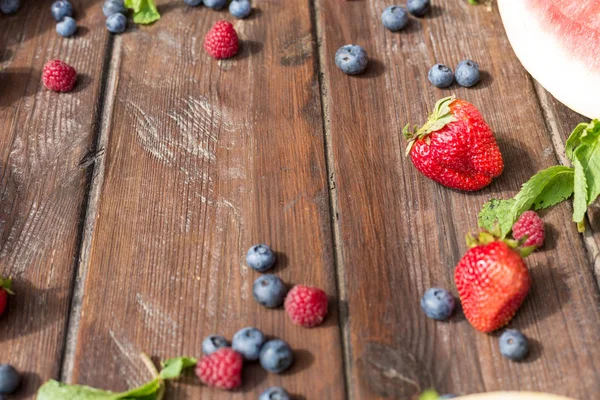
column 455, row 147
column 492, row 280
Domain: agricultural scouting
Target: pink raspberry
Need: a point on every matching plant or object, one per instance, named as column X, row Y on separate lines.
column 59, row 76
column 222, row 369
column 531, row 225
column 221, row 41
column 306, row 306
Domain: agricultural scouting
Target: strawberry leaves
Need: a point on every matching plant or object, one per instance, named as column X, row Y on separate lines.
column 438, row 118
column 555, row 184
column 144, row 11
column 153, row 390
column 6, row 285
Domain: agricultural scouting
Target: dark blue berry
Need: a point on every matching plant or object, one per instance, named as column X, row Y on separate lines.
column 351, row 59
column 275, row 393
column 248, row 343
column 269, row 290
column 116, row 23
column 467, row 73
column 260, row 257
column 276, row 356
column 67, row 27
column 395, row 18
column 193, row 3
column 9, row 6
column 513, row 345
column 213, row 343
column 9, row 379
column 111, row 7
column 240, row 8
column 418, row 8
column 440, row 76
column 437, row 304
column 61, row 9
column 215, row 4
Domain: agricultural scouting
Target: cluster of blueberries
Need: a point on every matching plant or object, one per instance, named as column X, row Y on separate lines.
column 116, row 16
column 439, row 304
column 273, row 355
column 237, row 8
column 467, row 74
column 62, row 11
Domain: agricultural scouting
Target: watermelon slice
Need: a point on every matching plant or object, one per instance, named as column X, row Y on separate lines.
column 512, row 395
column 558, row 42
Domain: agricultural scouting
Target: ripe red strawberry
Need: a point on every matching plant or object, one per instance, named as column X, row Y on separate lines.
column 59, row 76
column 221, row 369
column 492, row 281
column 455, row 147
column 306, row 306
column 221, row 41
column 5, row 285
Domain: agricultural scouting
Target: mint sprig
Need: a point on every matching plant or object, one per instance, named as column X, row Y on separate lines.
column 555, row 184
column 152, row 390
column 144, row 11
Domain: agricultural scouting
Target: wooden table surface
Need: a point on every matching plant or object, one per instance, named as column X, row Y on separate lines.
column 127, row 206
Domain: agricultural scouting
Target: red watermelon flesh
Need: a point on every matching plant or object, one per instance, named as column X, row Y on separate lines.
column 558, row 42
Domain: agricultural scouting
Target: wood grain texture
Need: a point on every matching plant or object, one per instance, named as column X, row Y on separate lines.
column 204, row 159
column 401, row 233
column 43, row 138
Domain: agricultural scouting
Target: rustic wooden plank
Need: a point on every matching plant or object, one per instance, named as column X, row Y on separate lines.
column 43, row 138
column 400, row 233
column 205, row 158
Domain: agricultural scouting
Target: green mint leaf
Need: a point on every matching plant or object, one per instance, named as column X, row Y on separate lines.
column 144, row 11
column 496, row 213
column 53, row 390
column 545, row 189
column 574, row 140
column 429, row 394
column 581, row 191
column 173, row 367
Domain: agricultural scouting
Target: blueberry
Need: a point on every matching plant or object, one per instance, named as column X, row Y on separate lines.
column 513, row 345
column 276, row 356
column 437, row 303
column 418, row 8
column 213, row 343
column 467, row 73
column 215, row 4
column 111, row 7
column 440, row 76
column 116, row 23
column 269, row 290
column 240, row 8
column 275, row 393
column 248, row 343
column 260, row 257
column 9, row 6
column 193, row 3
column 395, row 18
column 351, row 59
column 61, row 9
column 67, row 27
column 9, row 379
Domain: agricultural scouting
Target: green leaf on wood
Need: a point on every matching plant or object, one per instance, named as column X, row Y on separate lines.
column 144, row 11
